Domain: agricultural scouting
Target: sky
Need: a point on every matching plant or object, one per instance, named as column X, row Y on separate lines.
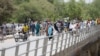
column 87, row 1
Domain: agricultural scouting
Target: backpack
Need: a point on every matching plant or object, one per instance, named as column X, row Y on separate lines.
column 55, row 27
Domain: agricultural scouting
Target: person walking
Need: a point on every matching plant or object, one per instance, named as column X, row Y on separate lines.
column 25, row 31
column 44, row 24
column 46, row 28
column 37, row 27
column 55, row 27
column 33, row 28
column 4, row 29
column 50, row 31
column 13, row 28
column 58, row 24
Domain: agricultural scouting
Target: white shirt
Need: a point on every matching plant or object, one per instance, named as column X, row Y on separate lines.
column 58, row 25
column 19, row 28
column 73, row 27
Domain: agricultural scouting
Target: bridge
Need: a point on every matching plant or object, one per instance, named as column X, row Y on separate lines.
column 85, row 42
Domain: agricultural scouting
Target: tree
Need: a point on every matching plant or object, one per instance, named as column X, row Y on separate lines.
column 95, row 8
column 52, row 9
column 6, row 10
column 73, row 9
column 51, row 1
column 34, row 9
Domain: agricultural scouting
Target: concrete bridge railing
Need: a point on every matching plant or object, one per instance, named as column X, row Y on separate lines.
column 60, row 42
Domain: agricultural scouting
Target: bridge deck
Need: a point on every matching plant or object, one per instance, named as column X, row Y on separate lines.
column 43, row 47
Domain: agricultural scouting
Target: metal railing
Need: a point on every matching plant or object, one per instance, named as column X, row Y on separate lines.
column 59, row 43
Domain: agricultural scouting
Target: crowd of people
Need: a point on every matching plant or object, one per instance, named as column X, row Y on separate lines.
column 47, row 27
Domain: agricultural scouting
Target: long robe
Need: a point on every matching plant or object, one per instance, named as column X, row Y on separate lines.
column 37, row 27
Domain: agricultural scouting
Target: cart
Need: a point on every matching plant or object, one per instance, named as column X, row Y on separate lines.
column 19, row 36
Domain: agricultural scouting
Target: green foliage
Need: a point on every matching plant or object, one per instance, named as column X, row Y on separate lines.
column 95, row 8
column 73, row 9
column 82, row 10
column 19, row 10
column 6, row 10
column 34, row 9
column 51, row 1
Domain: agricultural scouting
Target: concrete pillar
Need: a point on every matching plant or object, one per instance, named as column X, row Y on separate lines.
column 89, row 52
column 97, row 49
